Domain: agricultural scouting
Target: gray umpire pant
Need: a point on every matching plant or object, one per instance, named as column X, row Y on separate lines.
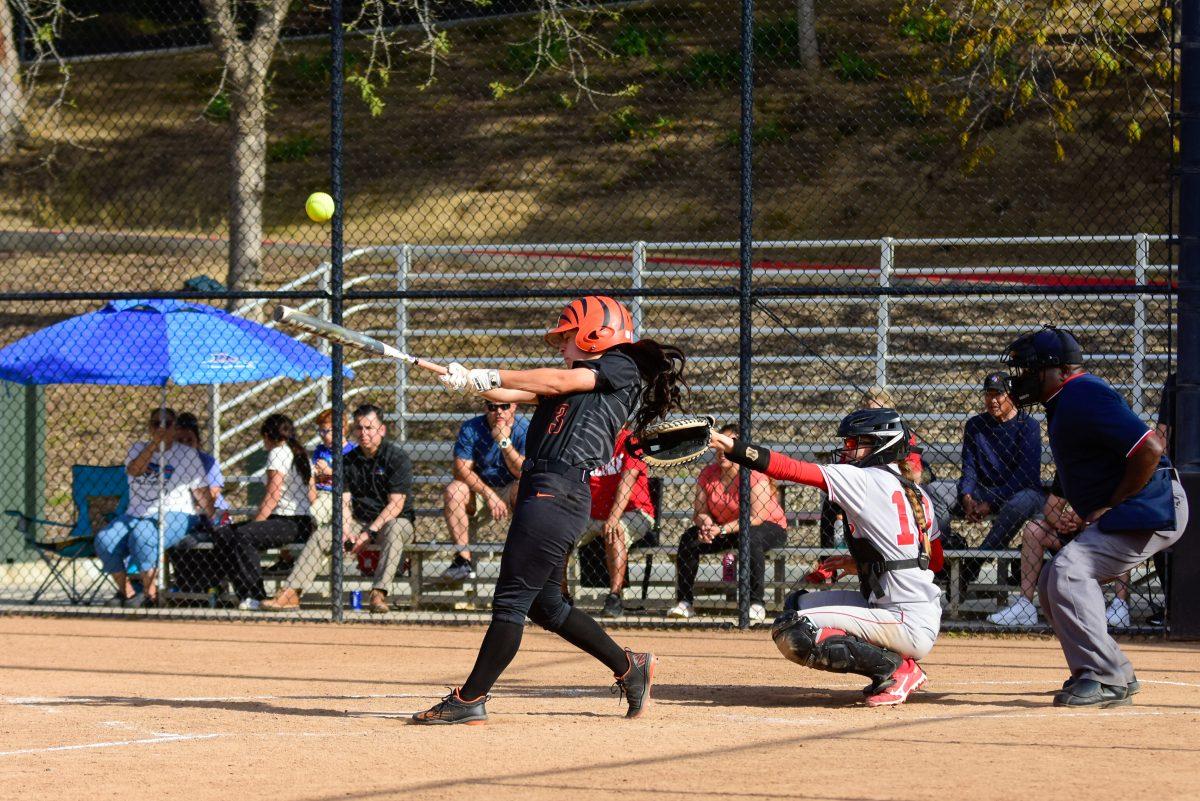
column 1073, row 600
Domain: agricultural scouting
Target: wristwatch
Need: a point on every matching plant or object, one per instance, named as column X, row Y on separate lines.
column 505, row 443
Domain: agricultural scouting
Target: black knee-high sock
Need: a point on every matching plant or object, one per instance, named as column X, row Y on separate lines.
column 499, row 646
column 586, row 635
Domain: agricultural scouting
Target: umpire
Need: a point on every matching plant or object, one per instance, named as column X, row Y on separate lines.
column 1113, row 472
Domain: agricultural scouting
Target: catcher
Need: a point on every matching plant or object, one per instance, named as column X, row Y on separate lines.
column 580, row 409
column 882, row 630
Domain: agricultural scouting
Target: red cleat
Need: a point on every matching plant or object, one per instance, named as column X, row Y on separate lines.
column 906, row 680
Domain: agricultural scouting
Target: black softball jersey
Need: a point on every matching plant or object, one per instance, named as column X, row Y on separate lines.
column 580, row 428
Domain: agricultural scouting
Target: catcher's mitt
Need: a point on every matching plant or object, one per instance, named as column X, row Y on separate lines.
column 672, row 442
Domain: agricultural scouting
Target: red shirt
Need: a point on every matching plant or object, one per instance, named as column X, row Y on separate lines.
column 722, row 499
column 604, row 481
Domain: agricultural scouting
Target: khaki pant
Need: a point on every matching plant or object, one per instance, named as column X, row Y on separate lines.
column 392, row 538
column 635, row 524
column 322, row 509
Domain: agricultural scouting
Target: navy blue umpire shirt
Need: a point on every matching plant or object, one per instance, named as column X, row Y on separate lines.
column 1092, row 432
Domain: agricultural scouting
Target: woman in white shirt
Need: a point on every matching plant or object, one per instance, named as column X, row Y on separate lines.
column 282, row 517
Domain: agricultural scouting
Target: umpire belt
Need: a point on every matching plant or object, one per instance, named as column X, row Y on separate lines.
column 568, row 471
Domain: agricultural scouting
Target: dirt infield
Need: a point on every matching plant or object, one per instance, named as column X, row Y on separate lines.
column 123, row 709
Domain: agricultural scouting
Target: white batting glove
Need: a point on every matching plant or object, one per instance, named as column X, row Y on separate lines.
column 455, row 379
column 482, row 380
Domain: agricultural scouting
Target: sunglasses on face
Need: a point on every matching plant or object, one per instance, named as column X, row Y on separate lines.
column 498, row 407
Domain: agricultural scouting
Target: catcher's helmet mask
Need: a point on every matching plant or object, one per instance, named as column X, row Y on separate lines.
column 881, row 430
column 1032, row 353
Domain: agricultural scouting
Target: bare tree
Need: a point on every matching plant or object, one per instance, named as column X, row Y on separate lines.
column 806, row 24
column 12, row 94
column 42, row 20
column 247, row 60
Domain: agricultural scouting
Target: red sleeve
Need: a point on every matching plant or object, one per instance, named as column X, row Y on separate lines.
column 786, row 468
column 937, row 559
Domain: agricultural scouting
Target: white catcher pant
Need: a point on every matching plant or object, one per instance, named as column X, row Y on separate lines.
column 903, row 632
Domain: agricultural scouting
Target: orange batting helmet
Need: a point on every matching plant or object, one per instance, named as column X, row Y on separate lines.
column 599, row 323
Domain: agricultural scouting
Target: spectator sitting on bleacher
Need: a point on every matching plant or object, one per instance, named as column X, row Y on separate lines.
column 1058, row 526
column 376, row 513
column 622, row 512
column 282, row 516
column 187, row 432
column 1001, row 469
column 322, row 467
column 182, row 493
column 714, row 530
column 488, row 456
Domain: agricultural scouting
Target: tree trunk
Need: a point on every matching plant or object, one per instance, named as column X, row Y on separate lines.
column 248, row 159
column 12, row 94
column 806, row 23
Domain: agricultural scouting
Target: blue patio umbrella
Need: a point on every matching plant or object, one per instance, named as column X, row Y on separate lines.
column 156, row 343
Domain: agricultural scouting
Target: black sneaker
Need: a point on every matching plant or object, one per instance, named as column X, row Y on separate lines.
column 460, row 570
column 1158, row 616
column 453, row 709
column 634, row 686
column 1088, row 692
column 613, row 606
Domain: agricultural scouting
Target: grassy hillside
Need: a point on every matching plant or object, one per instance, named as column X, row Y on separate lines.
column 840, row 154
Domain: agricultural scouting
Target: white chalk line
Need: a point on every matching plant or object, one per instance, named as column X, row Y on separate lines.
column 1133, row 713
column 170, row 738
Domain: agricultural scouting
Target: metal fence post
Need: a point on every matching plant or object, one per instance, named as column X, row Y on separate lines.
column 337, row 286
column 403, row 265
column 887, row 260
column 638, row 266
column 745, row 299
column 214, row 421
column 322, row 343
column 1141, row 261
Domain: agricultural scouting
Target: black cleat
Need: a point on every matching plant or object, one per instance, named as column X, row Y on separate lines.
column 453, row 709
column 1088, row 692
column 634, row 686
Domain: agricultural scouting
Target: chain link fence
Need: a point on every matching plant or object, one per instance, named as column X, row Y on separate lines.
column 931, row 178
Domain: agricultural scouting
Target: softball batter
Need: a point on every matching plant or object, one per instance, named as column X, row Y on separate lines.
column 883, row 630
column 580, row 409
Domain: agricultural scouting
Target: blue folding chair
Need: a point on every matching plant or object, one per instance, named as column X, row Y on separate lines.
column 99, row 493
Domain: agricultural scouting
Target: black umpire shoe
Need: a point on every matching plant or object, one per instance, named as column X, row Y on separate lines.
column 1133, row 688
column 634, row 686
column 1088, row 692
column 453, row 709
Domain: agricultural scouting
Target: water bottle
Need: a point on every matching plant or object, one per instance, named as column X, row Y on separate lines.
column 356, row 599
column 729, row 568
column 213, row 595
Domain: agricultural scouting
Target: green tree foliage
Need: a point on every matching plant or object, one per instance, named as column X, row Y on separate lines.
column 983, row 63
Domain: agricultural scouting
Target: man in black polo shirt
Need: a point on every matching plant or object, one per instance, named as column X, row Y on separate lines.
column 376, row 512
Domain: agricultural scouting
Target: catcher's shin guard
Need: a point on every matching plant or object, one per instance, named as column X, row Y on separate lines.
column 834, row 650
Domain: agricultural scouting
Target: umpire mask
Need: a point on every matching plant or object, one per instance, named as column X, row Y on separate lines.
column 1030, row 354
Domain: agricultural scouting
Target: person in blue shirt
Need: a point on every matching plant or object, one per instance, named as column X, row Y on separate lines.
column 1001, row 468
column 1113, row 471
column 488, row 456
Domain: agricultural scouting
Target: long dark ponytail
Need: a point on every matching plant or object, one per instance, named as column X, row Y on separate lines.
column 661, row 367
column 279, row 428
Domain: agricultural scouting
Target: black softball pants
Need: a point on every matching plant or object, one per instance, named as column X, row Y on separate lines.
column 763, row 538
column 237, row 548
column 550, row 515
